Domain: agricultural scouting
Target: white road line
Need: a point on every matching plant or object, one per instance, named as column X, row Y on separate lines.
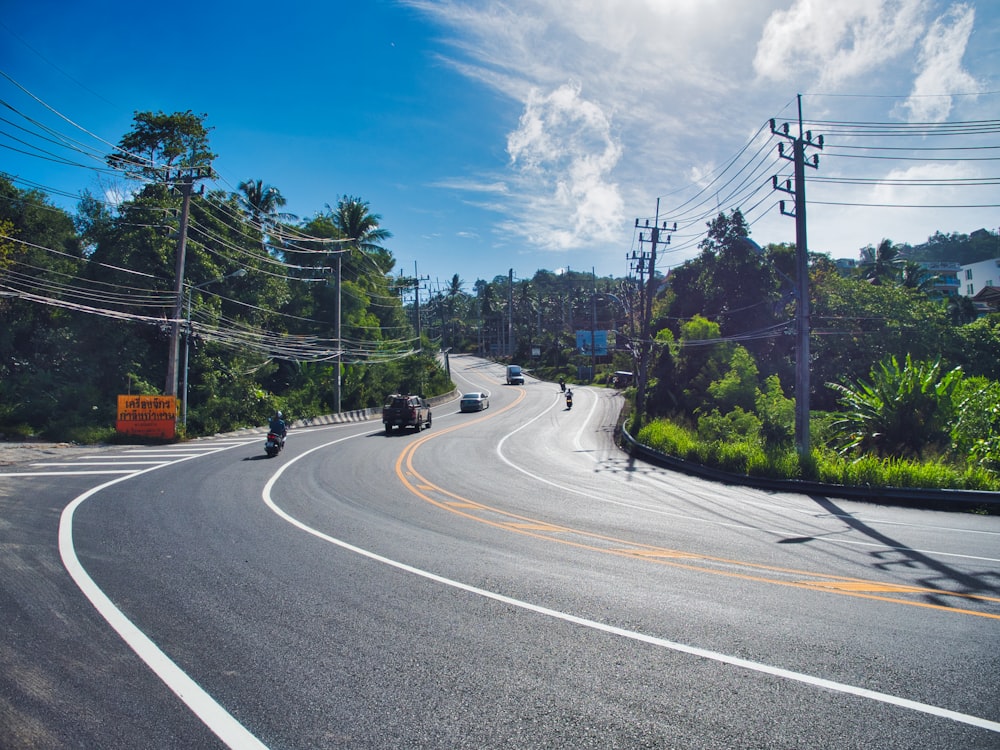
column 204, row 706
column 64, row 473
column 708, row 521
column 96, row 463
column 787, row 674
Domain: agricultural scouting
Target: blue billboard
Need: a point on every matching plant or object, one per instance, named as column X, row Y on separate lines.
column 599, row 342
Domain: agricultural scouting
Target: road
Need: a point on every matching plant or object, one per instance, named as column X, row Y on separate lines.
column 505, row 579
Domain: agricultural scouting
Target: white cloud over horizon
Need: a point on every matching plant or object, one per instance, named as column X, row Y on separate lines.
column 941, row 68
column 625, row 100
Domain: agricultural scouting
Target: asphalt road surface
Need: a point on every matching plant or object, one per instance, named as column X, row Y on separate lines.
column 505, row 579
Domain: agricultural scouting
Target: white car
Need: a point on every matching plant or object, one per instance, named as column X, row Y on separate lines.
column 474, row 402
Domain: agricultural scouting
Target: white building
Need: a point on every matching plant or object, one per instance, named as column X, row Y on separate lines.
column 977, row 276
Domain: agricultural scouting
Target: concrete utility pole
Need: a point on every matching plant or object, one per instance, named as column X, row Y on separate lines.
column 173, row 355
column 340, row 342
column 798, row 158
column 416, row 302
column 510, row 312
column 593, row 325
column 647, row 263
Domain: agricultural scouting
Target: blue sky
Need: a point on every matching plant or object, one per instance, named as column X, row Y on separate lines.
column 532, row 134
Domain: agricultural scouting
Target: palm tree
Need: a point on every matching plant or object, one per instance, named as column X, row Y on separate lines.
column 357, row 224
column 453, row 295
column 262, row 202
column 880, row 263
column 915, row 276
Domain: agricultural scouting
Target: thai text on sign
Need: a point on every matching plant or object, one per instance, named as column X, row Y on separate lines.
column 148, row 416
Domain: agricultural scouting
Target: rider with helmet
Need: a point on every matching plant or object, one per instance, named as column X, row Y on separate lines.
column 277, row 426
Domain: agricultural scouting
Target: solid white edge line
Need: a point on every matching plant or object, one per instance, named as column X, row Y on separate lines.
column 204, row 706
column 787, row 674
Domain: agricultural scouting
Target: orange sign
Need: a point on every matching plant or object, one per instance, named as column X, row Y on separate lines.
column 148, row 416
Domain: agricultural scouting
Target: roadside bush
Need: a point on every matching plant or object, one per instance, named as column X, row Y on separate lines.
column 751, row 457
column 776, row 413
column 976, row 431
column 667, row 437
column 734, row 426
column 903, row 412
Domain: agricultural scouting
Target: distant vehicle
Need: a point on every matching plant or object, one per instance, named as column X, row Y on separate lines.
column 514, row 375
column 401, row 410
column 474, row 402
column 621, row 379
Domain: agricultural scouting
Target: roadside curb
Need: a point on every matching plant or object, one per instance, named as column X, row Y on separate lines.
column 922, row 498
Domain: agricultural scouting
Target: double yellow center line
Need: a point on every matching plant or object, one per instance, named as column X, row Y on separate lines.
column 914, row 596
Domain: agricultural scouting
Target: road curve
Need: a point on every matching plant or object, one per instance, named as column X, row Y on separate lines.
column 506, row 578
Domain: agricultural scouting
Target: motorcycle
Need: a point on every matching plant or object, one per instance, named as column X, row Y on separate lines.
column 273, row 444
column 569, row 399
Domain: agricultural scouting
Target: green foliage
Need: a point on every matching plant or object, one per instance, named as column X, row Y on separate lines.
column 668, row 437
column 902, row 412
column 164, row 147
column 737, row 389
column 976, row 431
column 776, row 413
column 978, row 344
column 872, row 323
column 750, row 457
column 703, row 359
column 732, row 426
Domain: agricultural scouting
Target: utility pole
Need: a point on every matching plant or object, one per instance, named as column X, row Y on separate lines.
column 510, row 312
column 798, row 191
column 647, row 263
column 173, row 355
column 593, row 326
column 340, row 342
column 416, row 302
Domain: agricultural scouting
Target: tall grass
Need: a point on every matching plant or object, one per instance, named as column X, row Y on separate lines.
column 750, row 457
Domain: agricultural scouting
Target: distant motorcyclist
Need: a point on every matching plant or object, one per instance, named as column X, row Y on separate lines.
column 277, row 426
column 562, row 385
column 569, row 398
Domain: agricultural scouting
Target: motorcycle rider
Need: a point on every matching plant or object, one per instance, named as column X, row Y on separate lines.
column 562, row 385
column 277, row 426
column 569, row 398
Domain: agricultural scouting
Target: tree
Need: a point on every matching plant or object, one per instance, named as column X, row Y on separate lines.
column 262, row 202
column 361, row 228
column 703, row 358
column 857, row 324
column 165, row 148
column 880, row 264
column 914, row 276
column 736, row 285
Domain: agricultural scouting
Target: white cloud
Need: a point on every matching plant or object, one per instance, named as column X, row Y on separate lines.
column 941, row 66
column 564, row 152
column 837, row 41
column 472, row 186
column 621, row 101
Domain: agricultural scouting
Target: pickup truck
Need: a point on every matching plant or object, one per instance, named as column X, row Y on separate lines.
column 402, row 410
